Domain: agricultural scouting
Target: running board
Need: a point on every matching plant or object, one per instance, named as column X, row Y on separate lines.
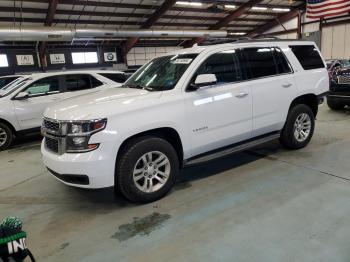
column 230, row 150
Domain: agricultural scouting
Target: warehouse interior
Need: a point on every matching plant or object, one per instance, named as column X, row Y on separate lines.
column 251, row 200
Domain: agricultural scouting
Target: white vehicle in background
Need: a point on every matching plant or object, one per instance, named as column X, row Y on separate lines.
column 22, row 103
column 185, row 108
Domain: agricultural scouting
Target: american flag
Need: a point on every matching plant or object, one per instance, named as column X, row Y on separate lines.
column 316, row 9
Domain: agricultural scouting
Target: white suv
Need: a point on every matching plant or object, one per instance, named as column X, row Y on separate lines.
column 185, row 108
column 23, row 102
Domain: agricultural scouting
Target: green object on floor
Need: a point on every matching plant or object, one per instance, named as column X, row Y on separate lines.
column 13, row 241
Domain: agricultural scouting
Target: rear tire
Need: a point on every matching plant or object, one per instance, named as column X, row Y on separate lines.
column 299, row 127
column 147, row 169
column 6, row 136
column 334, row 105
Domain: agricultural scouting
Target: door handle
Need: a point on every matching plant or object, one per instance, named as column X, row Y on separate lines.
column 286, row 85
column 241, row 94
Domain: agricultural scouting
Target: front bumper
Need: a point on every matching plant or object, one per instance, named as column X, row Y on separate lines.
column 93, row 169
column 341, row 98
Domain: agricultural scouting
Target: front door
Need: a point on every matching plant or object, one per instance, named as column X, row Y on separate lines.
column 221, row 114
column 41, row 94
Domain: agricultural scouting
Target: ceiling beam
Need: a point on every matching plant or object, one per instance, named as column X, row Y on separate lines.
column 224, row 22
column 114, row 14
column 148, row 6
column 275, row 22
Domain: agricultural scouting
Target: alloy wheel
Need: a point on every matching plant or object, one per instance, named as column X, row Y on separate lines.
column 151, row 171
column 302, row 127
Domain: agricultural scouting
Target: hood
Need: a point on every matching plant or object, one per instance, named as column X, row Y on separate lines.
column 99, row 104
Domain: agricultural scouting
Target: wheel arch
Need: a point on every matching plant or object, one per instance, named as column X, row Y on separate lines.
column 307, row 99
column 167, row 133
column 9, row 125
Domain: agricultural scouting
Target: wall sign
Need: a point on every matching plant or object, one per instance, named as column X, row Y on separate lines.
column 57, row 59
column 25, row 59
column 110, row 57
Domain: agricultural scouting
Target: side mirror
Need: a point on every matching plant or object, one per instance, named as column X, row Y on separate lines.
column 22, row 96
column 204, row 80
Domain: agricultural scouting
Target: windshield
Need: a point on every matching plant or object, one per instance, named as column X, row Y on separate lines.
column 14, row 86
column 4, row 81
column 161, row 73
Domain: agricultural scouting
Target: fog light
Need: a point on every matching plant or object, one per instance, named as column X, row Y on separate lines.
column 79, row 140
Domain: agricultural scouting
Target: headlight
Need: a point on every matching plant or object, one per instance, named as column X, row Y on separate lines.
column 79, row 133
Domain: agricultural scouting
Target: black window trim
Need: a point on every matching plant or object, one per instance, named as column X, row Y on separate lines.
column 188, row 88
column 274, row 58
column 241, row 57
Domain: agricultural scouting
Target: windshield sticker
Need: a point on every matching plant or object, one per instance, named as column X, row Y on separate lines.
column 184, row 61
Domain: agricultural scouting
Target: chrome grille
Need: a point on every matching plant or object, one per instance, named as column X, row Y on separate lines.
column 344, row 79
column 51, row 126
column 52, row 144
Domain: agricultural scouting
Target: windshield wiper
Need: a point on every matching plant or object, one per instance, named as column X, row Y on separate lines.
column 138, row 86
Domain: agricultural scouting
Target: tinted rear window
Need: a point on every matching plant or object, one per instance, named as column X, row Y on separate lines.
column 261, row 61
column 118, row 78
column 308, row 56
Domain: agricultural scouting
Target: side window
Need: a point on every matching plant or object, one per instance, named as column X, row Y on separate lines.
column 77, row 82
column 282, row 63
column 308, row 56
column 43, row 86
column 260, row 61
column 119, row 78
column 95, row 82
column 224, row 65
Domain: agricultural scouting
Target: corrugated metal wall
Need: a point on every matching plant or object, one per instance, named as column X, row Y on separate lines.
column 336, row 41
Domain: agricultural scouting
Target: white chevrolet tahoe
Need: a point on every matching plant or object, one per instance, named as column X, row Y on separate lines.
column 23, row 101
column 184, row 108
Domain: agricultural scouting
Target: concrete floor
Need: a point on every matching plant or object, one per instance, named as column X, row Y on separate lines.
column 267, row 204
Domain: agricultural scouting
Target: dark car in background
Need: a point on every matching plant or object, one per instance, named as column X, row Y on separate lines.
column 339, row 94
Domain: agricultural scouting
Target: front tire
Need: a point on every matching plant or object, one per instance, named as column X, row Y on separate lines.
column 299, row 127
column 334, row 105
column 147, row 169
column 6, row 136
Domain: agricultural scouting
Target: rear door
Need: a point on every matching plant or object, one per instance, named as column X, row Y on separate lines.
column 41, row 93
column 273, row 87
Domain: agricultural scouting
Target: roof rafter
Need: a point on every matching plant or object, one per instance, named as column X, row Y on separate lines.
column 149, row 23
column 50, row 15
column 275, row 22
column 148, row 6
column 226, row 20
column 115, row 14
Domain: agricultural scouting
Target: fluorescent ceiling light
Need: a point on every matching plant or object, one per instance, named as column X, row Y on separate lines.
column 237, row 33
column 281, row 9
column 259, row 8
column 230, row 6
column 189, row 3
